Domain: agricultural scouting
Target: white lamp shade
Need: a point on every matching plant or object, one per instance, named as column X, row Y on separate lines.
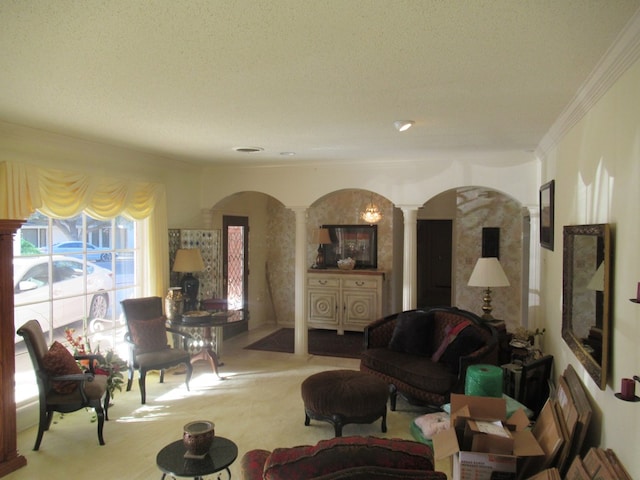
column 488, row 273
column 188, row 260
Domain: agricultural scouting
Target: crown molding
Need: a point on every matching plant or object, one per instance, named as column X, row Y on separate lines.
column 621, row 55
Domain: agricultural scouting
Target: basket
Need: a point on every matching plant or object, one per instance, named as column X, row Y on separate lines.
column 346, row 264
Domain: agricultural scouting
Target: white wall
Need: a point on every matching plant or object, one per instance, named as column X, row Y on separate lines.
column 596, row 167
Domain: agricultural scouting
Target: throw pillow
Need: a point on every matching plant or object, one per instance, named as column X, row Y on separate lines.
column 451, row 331
column 59, row 361
column 412, row 333
column 465, row 343
column 149, row 335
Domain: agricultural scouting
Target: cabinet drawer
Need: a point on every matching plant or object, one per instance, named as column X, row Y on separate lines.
column 323, row 282
column 360, row 283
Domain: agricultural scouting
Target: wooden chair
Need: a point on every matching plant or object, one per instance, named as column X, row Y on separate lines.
column 91, row 390
column 147, row 339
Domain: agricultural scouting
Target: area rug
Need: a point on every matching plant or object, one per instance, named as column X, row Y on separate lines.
column 325, row 343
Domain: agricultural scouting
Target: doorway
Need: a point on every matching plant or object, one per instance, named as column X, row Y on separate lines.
column 235, row 270
column 434, row 257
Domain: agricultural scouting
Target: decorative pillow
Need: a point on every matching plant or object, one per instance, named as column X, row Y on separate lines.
column 412, row 333
column 451, row 332
column 149, row 335
column 59, row 361
column 466, row 342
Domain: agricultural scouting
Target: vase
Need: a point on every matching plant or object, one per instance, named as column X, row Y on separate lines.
column 174, row 304
column 198, row 437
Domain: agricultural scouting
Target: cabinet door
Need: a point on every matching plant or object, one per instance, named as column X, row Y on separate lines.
column 359, row 308
column 323, row 308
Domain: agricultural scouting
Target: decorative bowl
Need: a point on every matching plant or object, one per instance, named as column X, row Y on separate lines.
column 198, row 437
column 346, row 263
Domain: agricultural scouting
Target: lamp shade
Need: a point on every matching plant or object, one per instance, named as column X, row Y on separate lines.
column 488, row 273
column 188, row 260
column 323, row 237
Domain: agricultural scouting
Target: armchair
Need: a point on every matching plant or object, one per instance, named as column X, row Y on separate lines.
column 147, row 339
column 62, row 386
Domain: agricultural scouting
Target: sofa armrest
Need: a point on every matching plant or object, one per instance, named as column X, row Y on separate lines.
column 252, row 464
column 378, row 333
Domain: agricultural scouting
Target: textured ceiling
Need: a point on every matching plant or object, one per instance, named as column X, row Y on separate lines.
column 324, row 79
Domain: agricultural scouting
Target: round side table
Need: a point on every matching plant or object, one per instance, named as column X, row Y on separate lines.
column 171, row 460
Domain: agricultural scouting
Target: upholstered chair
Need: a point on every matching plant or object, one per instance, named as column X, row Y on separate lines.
column 62, row 386
column 148, row 342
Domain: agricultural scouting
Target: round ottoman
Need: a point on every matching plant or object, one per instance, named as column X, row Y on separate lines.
column 345, row 396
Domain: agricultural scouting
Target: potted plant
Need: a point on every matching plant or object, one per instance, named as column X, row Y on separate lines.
column 110, row 363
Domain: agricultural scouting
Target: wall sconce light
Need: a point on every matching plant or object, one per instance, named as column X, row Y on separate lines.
column 488, row 273
column 403, row 125
column 628, row 389
column 189, row 260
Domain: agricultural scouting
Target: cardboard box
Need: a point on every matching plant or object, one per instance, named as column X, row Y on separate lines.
column 482, row 443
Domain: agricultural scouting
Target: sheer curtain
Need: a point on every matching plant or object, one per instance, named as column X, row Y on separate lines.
column 64, row 194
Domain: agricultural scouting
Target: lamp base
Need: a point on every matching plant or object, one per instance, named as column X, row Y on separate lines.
column 486, row 306
column 190, row 286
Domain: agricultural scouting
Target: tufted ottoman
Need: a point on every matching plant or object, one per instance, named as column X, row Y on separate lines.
column 345, row 396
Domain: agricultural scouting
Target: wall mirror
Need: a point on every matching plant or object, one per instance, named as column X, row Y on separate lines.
column 586, row 293
column 359, row 242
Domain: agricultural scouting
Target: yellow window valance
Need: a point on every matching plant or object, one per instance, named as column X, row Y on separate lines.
column 62, row 194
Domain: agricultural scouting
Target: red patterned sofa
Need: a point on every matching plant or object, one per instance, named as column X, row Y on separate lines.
column 424, row 354
column 352, row 458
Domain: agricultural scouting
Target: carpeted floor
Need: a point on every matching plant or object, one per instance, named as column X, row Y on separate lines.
column 326, row 343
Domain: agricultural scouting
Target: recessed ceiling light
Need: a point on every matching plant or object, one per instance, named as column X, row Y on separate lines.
column 248, row 149
column 287, row 154
column 403, row 125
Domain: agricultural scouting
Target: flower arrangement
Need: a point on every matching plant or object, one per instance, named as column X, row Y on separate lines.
column 109, row 364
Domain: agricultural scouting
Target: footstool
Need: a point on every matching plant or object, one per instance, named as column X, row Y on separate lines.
column 345, row 396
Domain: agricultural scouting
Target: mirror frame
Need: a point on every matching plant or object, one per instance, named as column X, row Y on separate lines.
column 598, row 371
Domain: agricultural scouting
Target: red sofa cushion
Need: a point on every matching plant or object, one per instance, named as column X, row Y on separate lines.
column 330, row 456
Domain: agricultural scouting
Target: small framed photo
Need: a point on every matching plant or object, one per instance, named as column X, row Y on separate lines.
column 547, row 193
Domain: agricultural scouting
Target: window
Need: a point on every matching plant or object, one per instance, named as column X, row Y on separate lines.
column 73, row 273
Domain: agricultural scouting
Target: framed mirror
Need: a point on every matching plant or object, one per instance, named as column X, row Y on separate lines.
column 586, row 294
column 359, row 242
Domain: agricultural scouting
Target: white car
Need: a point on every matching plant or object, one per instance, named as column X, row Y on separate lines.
column 33, row 290
column 75, row 249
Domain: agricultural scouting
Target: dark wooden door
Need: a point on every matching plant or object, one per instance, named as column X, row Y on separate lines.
column 434, row 245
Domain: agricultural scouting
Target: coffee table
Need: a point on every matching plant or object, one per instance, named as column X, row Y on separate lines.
column 171, row 461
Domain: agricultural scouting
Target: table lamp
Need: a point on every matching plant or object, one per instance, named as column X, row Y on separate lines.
column 488, row 273
column 323, row 238
column 189, row 260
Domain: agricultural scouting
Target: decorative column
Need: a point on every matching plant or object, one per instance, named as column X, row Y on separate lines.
column 10, row 460
column 410, row 257
column 301, row 344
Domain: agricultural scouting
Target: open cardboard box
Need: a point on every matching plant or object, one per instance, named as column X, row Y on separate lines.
column 483, row 441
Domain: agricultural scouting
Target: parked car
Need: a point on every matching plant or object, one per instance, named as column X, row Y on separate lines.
column 33, row 290
column 76, row 248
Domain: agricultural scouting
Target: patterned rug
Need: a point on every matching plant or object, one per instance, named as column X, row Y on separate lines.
column 325, row 343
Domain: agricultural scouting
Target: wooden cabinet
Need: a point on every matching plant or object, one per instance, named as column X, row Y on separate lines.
column 343, row 300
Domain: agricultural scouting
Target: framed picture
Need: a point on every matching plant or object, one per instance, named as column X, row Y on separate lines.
column 359, row 242
column 547, row 192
